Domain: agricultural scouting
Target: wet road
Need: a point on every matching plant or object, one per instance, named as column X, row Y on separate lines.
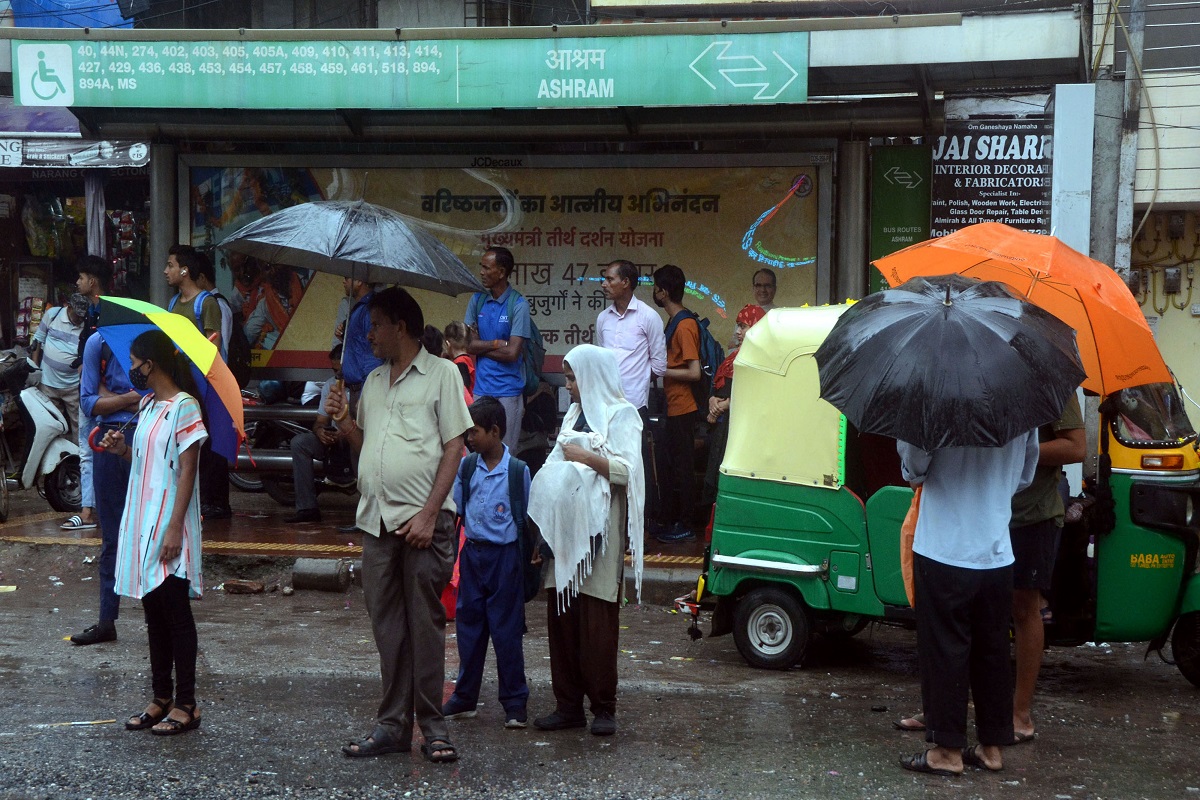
column 285, row 680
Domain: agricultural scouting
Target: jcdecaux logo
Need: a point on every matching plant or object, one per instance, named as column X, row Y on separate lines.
column 47, row 74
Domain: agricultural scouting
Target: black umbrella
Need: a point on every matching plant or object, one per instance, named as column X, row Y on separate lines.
column 355, row 239
column 948, row 361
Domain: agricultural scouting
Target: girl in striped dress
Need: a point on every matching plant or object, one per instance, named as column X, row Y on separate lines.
column 158, row 552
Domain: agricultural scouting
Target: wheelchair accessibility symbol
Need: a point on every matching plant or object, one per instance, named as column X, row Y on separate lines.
column 47, row 71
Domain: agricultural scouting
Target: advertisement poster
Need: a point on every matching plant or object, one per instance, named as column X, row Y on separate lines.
column 562, row 224
column 992, row 170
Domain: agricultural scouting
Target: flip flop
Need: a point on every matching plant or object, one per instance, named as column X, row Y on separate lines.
column 920, row 763
column 914, row 723
column 971, row 758
column 76, row 523
column 1024, row 738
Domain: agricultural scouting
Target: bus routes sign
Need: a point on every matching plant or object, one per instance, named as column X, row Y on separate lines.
column 668, row 70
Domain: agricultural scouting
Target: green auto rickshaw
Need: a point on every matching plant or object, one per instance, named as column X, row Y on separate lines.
column 805, row 534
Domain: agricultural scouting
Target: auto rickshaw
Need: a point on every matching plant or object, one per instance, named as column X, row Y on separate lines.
column 806, row 527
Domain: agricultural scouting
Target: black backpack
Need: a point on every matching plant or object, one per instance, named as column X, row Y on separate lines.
column 531, row 574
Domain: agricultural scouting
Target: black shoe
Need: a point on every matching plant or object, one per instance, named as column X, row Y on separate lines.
column 351, row 528
column 559, row 721
column 210, row 513
column 304, row 515
column 675, row 534
column 455, row 710
column 604, row 725
column 101, row 632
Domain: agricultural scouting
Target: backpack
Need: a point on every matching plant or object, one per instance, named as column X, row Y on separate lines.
column 711, row 356
column 533, row 354
column 237, row 349
column 531, row 574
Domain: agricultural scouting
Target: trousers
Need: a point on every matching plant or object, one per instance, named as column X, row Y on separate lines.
column 173, row 643
column 110, row 476
column 583, row 653
column 677, row 469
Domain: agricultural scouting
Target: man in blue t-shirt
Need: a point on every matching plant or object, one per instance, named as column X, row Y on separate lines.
column 498, row 342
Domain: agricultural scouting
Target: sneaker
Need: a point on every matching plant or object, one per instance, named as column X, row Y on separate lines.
column 675, row 534
column 101, row 632
column 454, row 710
column 559, row 721
column 516, row 719
column 304, row 515
column 604, row 725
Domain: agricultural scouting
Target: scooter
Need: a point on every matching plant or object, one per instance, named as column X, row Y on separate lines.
column 49, row 455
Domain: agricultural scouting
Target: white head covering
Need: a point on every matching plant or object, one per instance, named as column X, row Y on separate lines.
column 570, row 502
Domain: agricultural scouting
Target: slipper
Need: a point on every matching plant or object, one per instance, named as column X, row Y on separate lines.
column 914, row 723
column 971, row 758
column 920, row 763
column 76, row 523
column 439, row 751
column 1047, row 616
column 379, row 743
column 1023, row 738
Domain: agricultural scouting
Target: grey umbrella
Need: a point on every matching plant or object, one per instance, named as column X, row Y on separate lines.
column 356, row 239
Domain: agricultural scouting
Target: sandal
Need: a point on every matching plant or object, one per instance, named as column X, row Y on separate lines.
column 920, row 763
column 76, row 523
column 147, row 720
column 971, row 758
column 914, row 723
column 379, row 743
column 169, row 726
column 439, row 751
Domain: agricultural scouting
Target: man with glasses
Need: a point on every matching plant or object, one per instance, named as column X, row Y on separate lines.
column 764, row 289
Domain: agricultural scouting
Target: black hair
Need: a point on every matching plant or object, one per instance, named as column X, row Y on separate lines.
column 204, row 266
column 399, row 306
column 98, row 268
column 189, row 258
column 670, row 279
column 336, row 353
column 627, row 270
column 433, row 340
column 504, row 259
column 488, row 413
column 456, row 332
column 156, row 346
column 765, row 271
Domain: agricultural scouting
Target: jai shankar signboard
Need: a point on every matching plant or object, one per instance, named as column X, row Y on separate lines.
column 646, row 70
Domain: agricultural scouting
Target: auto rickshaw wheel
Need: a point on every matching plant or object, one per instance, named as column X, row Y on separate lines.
column 1185, row 646
column 771, row 628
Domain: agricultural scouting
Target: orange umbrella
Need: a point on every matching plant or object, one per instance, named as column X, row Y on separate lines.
column 1115, row 341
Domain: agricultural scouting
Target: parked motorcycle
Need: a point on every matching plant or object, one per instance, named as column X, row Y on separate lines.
column 49, row 458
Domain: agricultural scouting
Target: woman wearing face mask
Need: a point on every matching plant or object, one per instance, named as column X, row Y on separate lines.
column 158, row 552
column 587, row 502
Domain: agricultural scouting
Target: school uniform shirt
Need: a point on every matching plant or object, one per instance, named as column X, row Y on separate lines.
column 496, row 378
column 165, row 430
column 488, row 517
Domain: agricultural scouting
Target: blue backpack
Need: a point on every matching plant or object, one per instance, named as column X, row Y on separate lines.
column 711, row 356
column 533, row 354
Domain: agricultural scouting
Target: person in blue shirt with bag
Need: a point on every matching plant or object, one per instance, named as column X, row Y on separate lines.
column 498, row 325
column 491, row 491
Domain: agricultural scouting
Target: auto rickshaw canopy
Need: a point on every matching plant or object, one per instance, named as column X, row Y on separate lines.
column 780, row 429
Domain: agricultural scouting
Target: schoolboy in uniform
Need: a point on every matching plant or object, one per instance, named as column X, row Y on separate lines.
column 491, row 600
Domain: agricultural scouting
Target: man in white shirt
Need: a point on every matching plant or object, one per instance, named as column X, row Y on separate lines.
column 633, row 331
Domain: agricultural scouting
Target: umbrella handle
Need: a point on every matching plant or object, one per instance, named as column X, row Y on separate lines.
column 92, row 440
column 341, row 415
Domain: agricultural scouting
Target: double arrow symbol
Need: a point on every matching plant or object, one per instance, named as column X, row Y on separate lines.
column 745, row 72
column 903, row 178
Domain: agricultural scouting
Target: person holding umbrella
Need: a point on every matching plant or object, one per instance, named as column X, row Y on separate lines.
column 158, row 551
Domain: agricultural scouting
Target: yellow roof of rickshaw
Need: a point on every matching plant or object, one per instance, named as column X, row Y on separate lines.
column 780, row 429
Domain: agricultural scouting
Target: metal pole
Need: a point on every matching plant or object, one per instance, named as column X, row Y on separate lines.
column 1127, row 162
column 164, row 224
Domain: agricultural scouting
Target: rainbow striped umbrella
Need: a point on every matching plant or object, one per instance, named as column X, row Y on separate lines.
column 122, row 320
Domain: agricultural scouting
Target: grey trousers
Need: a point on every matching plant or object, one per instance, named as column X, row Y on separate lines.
column 402, row 587
column 305, row 447
column 514, row 413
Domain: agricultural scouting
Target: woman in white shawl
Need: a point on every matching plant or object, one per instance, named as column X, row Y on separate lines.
column 587, row 502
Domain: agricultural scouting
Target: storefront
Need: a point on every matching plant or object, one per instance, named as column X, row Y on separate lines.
column 720, row 147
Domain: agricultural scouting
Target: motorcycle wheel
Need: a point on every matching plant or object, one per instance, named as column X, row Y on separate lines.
column 281, row 490
column 64, row 487
column 245, row 483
